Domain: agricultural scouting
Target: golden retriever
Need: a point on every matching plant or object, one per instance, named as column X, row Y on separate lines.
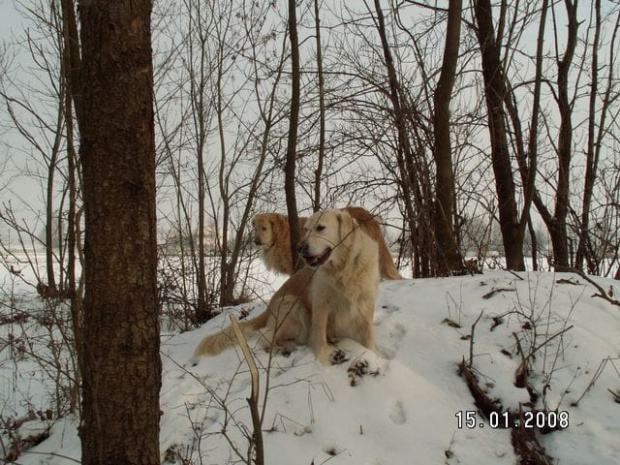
column 272, row 234
column 332, row 298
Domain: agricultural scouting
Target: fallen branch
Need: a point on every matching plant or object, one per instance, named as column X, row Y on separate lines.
column 602, row 293
column 253, row 399
column 524, row 440
column 526, row 445
column 497, row 290
column 485, row 404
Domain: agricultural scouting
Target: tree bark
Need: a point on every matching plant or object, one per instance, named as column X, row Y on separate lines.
column 593, row 150
column 291, row 150
column 69, row 75
column 495, row 91
column 122, row 366
column 321, row 155
column 558, row 229
column 450, row 259
column 556, row 221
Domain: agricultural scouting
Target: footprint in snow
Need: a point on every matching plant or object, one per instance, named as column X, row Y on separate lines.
column 397, row 332
column 390, row 339
column 397, row 414
column 389, row 308
column 382, row 312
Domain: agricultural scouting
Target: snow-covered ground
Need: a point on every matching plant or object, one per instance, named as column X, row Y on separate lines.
column 417, row 409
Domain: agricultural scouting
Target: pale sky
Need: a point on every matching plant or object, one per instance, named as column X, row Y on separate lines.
column 9, row 19
column 10, row 24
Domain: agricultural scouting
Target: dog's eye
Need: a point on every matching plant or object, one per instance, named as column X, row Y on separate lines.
column 320, row 227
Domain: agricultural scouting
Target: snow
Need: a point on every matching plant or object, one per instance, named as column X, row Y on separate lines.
column 407, row 413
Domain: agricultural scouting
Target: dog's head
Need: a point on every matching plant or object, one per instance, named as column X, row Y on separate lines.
column 263, row 225
column 269, row 228
column 324, row 233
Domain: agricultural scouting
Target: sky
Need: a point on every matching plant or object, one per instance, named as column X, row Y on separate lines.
column 9, row 18
column 10, row 23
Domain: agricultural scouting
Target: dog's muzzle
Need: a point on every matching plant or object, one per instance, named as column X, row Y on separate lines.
column 313, row 260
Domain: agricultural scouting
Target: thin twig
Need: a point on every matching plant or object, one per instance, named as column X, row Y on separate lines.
column 471, row 342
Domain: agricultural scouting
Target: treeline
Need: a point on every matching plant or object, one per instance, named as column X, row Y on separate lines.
column 467, row 126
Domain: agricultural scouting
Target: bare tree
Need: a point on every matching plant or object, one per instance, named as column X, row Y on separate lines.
column 42, row 129
column 122, row 366
column 316, row 203
column 72, row 99
column 556, row 221
column 291, row 148
column 598, row 125
column 450, row 259
column 495, row 95
column 414, row 178
column 217, row 114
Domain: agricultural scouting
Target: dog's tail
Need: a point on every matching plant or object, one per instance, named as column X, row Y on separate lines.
column 387, row 269
column 216, row 343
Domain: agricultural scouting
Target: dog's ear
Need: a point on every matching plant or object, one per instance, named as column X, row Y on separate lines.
column 346, row 224
column 279, row 227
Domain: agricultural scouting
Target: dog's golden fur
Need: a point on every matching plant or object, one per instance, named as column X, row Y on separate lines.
column 286, row 319
column 332, row 298
column 272, row 233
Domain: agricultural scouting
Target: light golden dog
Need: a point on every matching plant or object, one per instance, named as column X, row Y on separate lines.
column 272, row 234
column 332, row 298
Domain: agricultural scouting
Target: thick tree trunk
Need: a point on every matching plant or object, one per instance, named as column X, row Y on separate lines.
column 495, row 90
column 122, row 366
column 450, row 259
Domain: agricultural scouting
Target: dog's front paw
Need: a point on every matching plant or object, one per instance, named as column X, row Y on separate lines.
column 338, row 357
column 361, row 368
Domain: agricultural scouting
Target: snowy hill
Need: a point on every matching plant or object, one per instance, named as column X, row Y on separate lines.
column 417, row 409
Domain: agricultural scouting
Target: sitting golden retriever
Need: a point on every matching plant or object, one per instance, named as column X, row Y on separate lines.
column 332, row 298
column 272, row 234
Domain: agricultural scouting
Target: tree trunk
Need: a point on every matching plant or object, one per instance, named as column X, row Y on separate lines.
column 321, row 155
column 72, row 52
column 69, row 42
column 593, row 150
column 291, row 150
column 495, row 91
column 122, row 366
column 450, row 259
column 559, row 233
column 199, row 104
column 52, row 289
column 415, row 189
column 556, row 221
